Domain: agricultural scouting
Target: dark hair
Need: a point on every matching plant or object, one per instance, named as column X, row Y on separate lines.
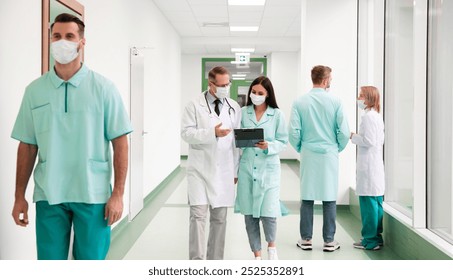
column 266, row 83
column 319, row 73
column 70, row 18
column 218, row 70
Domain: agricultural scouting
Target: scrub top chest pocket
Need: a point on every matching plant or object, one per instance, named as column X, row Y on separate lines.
column 41, row 118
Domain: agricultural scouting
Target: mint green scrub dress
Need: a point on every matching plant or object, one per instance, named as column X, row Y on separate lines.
column 258, row 190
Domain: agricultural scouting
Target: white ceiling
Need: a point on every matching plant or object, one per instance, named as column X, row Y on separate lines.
column 279, row 24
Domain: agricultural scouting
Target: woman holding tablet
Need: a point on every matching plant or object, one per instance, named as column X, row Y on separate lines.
column 258, row 190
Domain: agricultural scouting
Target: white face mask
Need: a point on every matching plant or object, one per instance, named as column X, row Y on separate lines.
column 64, row 51
column 257, row 99
column 222, row 92
column 361, row 104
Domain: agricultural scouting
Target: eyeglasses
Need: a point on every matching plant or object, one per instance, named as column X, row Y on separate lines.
column 221, row 86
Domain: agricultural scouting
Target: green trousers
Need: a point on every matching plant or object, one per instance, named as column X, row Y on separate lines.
column 372, row 213
column 53, row 231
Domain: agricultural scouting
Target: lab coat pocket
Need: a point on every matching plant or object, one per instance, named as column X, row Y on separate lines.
column 272, row 175
column 99, row 176
column 41, row 118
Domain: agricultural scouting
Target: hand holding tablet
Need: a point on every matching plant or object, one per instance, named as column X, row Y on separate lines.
column 248, row 137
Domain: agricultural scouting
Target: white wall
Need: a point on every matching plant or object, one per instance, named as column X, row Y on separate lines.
column 282, row 69
column 190, row 85
column 329, row 37
column 143, row 26
column 112, row 28
column 20, row 63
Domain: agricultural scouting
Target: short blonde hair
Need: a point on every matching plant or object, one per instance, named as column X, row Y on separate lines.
column 372, row 97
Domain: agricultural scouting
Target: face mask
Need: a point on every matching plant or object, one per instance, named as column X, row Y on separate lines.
column 64, row 51
column 361, row 104
column 222, row 92
column 257, row 99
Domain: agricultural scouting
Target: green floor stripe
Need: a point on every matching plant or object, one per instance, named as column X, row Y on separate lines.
column 126, row 233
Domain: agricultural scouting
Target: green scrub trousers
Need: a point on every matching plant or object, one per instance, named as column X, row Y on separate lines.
column 53, row 231
column 372, row 212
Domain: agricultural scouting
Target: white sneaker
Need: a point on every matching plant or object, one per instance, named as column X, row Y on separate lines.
column 305, row 245
column 331, row 246
column 257, row 258
column 272, row 252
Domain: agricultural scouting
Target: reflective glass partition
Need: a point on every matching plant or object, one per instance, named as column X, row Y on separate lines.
column 440, row 118
column 399, row 104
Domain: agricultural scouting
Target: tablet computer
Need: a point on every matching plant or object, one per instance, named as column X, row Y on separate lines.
column 248, row 137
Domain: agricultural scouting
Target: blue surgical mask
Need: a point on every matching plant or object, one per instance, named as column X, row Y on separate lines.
column 361, row 104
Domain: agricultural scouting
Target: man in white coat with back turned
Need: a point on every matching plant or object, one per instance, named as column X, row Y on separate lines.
column 207, row 125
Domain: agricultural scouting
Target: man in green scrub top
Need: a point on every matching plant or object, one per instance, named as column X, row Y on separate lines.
column 67, row 118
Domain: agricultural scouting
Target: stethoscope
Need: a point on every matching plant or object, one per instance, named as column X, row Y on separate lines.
column 210, row 111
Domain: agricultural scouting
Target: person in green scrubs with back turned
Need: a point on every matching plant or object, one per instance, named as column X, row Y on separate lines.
column 318, row 131
column 67, row 118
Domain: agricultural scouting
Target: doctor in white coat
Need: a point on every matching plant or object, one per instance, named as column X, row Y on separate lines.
column 370, row 169
column 207, row 125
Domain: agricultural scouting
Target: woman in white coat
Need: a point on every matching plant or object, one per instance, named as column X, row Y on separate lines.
column 370, row 169
column 213, row 161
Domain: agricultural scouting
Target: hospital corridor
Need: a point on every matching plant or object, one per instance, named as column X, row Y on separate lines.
column 169, row 208
column 124, row 125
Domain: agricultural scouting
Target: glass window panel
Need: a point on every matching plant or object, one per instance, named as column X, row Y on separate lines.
column 440, row 118
column 399, row 104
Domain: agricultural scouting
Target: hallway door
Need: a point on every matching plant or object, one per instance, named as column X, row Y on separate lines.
column 137, row 83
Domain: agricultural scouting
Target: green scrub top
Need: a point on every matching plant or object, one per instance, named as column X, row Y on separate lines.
column 258, row 190
column 72, row 123
column 318, row 130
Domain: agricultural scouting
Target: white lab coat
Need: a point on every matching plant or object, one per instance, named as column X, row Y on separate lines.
column 370, row 164
column 213, row 162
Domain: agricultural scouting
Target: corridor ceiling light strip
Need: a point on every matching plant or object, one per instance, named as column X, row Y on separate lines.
column 243, row 50
column 246, row 2
column 238, row 75
column 244, row 28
